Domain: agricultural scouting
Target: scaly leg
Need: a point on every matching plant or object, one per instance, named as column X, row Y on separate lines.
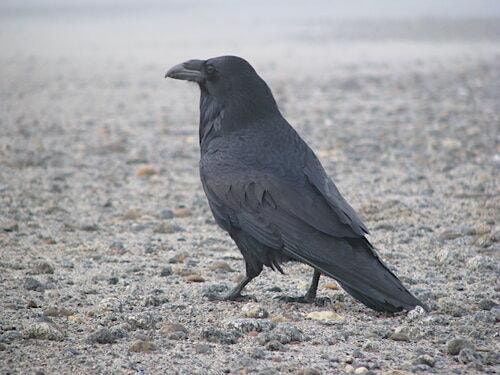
column 310, row 296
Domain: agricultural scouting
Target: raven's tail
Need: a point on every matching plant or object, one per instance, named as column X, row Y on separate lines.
column 357, row 267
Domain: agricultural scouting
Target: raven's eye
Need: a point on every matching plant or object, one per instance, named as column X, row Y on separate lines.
column 210, row 69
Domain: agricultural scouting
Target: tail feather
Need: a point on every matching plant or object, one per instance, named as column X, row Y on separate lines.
column 356, row 266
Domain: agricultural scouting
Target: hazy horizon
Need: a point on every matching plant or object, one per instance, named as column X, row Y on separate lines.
column 338, row 8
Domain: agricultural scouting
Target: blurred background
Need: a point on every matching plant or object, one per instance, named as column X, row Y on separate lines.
column 100, row 199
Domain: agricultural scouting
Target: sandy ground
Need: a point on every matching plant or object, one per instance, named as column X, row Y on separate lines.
column 107, row 245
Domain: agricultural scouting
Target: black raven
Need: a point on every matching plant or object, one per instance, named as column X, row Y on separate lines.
column 269, row 191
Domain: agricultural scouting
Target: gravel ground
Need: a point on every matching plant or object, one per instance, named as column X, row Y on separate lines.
column 108, row 248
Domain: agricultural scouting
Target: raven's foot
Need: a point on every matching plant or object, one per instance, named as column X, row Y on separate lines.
column 230, row 297
column 321, row 301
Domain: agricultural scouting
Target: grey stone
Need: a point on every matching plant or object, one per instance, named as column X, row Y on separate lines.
column 142, row 346
column 415, row 314
column 43, row 268
column 284, row 333
column 402, row 333
column 202, row 348
column 246, row 325
column 30, row 283
column 452, row 308
column 257, row 353
column 425, row 359
column 275, row 345
column 88, row 227
column 167, row 214
column 9, row 225
column 487, row 304
column 454, row 346
column 179, row 258
column 106, row 336
column 154, row 300
column 43, row 331
column 214, row 290
column 110, row 304
column 141, row 321
column 10, row 336
column 166, row 271
column 485, row 316
column 220, row 336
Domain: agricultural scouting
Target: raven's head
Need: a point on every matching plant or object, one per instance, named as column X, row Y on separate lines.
column 230, row 80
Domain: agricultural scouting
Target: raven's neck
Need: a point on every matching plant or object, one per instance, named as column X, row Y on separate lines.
column 211, row 116
column 240, row 111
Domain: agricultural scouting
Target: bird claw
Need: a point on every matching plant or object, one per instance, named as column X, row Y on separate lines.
column 321, row 301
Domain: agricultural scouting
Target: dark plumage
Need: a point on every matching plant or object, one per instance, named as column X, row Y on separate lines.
column 269, row 191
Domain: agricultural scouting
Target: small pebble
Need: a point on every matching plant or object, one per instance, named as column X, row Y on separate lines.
column 43, row 268
column 153, row 300
column 106, row 336
column 487, row 304
column 326, row 316
column 274, row 346
column 220, row 266
column 284, row 333
column 146, row 171
column 361, row 371
column 117, row 248
column 195, row 278
column 167, row 214
column 57, row 311
column 425, row 359
column 141, row 321
column 349, row 369
column 168, row 328
column 8, row 225
column 415, row 314
column 179, row 258
column 257, row 353
column 182, row 212
column 331, row 286
column 253, row 310
column 168, row 228
column 448, row 235
column 88, row 227
column 308, row 371
column 110, row 304
column 142, row 346
column 43, row 331
column 454, row 346
column 251, row 325
column 219, row 336
column 452, row 308
column 30, row 283
column 401, row 333
column 202, row 348
column 166, row 271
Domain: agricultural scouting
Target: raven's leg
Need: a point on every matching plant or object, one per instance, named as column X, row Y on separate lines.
column 311, row 293
column 235, row 294
column 251, row 250
column 310, row 296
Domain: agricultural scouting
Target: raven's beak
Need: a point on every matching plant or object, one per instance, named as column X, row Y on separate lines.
column 188, row 71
